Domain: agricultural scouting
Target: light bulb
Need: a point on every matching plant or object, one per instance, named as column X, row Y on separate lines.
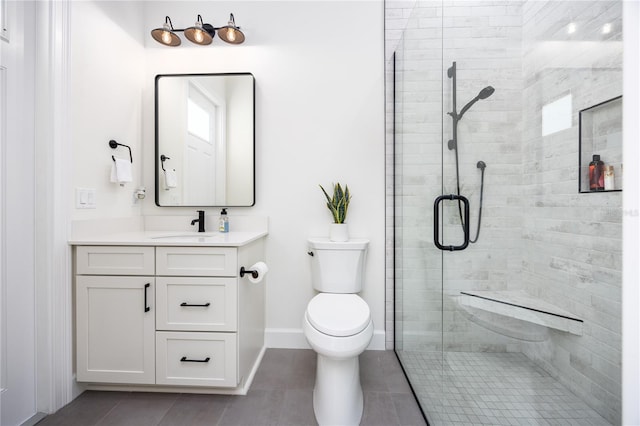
column 166, row 37
column 606, row 28
column 231, row 34
column 199, row 36
column 571, row 28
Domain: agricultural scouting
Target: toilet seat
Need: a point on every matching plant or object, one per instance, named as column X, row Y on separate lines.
column 339, row 315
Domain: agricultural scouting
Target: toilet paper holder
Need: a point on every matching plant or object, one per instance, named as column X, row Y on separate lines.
column 243, row 271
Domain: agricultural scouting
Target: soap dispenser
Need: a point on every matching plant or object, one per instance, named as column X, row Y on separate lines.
column 596, row 174
column 223, row 225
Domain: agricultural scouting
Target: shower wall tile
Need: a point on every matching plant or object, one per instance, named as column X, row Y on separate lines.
column 573, row 241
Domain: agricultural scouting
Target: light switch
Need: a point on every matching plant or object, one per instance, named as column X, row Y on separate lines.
column 85, row 198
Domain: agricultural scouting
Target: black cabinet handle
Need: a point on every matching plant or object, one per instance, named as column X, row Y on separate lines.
column 146, row 305
column 436, row 222
column 193, row 305
column 185, row 359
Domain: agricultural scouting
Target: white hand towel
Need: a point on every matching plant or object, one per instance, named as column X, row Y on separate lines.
column 121, row 171
column 170, row 179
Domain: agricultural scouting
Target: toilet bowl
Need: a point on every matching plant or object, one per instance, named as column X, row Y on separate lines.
column 339, row 328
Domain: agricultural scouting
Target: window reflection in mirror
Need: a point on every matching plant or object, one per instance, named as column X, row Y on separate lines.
column 205, row 133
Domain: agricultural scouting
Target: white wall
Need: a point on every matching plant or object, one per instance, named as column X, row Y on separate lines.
column 630, row 221
column 17, row 227
column 319, row 119
column 107, row 69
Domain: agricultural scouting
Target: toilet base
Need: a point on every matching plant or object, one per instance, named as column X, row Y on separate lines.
column 337, row 396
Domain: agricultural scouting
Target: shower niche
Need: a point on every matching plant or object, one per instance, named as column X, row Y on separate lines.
column 600, row 147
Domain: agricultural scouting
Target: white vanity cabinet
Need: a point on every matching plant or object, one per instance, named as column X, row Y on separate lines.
column 189, row 321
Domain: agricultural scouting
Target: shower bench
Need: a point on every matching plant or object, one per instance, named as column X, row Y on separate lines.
column 521, row 306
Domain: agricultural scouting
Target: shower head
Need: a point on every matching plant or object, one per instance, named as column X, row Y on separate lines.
column 484, row 94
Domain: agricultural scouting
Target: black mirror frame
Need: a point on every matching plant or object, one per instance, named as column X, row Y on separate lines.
column 157, row 161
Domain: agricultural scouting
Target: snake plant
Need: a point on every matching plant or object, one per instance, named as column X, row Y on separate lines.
column 339, row 203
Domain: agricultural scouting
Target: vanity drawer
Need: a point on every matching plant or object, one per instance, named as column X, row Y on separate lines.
column 196, row 359
column 196, row 303
column 115, row 260
column 197, row 261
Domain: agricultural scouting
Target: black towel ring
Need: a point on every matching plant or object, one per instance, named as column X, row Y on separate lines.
column 163, row 158
column 113, row 144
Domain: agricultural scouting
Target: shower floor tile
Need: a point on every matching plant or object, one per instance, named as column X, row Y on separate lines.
column 492, row 388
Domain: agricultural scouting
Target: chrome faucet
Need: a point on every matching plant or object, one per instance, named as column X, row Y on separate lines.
column 199, row 220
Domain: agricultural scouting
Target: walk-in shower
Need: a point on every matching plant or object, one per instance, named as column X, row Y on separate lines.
column 524, row 326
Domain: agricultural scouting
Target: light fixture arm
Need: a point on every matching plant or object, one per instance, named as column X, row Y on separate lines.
column 167, row 20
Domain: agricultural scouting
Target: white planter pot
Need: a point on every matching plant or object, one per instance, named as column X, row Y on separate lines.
column 338, row 232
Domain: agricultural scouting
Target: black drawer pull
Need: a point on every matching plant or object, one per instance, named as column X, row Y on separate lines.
column 146, row 306
column 185, row 359
column 194, row 305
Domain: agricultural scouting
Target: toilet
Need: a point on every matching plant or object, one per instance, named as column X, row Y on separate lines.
column 337, row 324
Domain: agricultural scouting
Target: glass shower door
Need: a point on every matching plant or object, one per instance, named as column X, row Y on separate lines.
column 487, row 205
column 418, row 178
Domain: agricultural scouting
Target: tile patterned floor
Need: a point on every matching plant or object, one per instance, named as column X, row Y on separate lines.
column 281, row 394
column 494, row 389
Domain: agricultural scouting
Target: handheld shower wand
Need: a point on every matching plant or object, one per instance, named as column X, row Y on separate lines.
column 452, row 144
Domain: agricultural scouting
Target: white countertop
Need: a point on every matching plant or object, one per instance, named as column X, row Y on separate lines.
column 169, row 238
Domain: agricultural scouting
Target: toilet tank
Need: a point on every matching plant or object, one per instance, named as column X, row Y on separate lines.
column 337, row 267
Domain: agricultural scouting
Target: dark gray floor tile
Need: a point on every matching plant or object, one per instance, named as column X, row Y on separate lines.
column 379, row 410
column 274, row 371
column 407, row 410
column 139, row 409
column 394, row 376
column 372, row 374
column 281, row 394
column 86, row 410
column 303, row 370
column 297, row 409
column 196, row 410
column 259, row 407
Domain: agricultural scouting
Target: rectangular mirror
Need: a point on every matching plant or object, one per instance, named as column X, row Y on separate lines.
column 205, row 140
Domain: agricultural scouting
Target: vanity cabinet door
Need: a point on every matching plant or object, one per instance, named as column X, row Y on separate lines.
column 115, row 329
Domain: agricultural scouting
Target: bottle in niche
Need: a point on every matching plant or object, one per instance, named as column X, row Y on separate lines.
column 609, row 178
column 596, row 174
column 223, row 224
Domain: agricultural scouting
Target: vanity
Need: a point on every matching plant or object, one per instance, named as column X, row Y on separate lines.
column 168, row 311
column 159, row 306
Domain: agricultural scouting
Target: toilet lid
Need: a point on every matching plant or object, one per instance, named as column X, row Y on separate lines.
column 338, row 315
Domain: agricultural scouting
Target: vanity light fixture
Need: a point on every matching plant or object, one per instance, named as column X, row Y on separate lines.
column 230, row 33
column 200, row 33
column 166, row 35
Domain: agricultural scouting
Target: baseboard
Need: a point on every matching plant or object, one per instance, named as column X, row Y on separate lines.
column 34, row 419
column 293, row 338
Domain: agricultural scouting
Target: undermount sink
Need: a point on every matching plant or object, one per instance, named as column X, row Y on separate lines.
column 204, row 236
